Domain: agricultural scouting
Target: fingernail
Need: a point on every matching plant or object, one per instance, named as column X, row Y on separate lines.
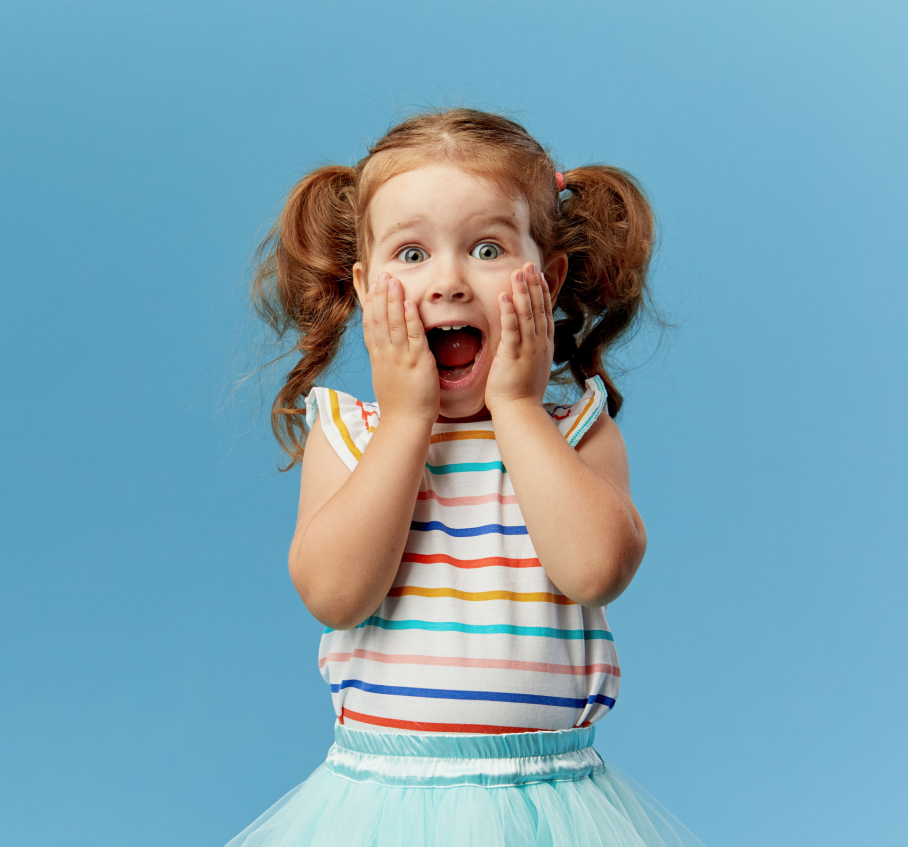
column 521, row 277
column 392, row 285
column 407, row 305
column 532, row 269
column 383, row 277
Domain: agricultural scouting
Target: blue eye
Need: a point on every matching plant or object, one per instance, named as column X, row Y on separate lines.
column 412, row 255
column 486, row 251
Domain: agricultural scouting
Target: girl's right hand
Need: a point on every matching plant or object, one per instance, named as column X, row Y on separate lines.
column 404, row 372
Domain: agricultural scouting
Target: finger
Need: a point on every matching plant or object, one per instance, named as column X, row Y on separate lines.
column 397, row 322
column 523, row 305
column 380, row 333
column 510, row 324
column 547, row 302
column 367, row 317
column 416, row 332
column 537, row 298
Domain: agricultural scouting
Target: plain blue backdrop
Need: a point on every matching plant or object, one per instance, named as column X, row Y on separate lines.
column 159, row 672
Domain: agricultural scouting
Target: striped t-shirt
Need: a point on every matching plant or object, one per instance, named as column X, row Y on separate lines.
column 473, row 637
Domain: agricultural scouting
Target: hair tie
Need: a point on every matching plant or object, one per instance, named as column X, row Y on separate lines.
column 559, row 180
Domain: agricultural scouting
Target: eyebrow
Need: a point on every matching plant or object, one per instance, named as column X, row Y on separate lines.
column 413, row 222
column 500, row 220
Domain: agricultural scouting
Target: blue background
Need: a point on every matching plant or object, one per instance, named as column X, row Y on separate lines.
column 159, row 671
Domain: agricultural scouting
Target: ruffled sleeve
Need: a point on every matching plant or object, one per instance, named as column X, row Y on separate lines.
column 347, row 422
column 573, row 421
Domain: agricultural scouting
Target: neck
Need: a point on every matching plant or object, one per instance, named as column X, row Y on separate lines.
column 482, row 415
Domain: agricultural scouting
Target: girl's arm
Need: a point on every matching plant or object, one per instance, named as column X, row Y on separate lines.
column 576, row 503
column 352, row 527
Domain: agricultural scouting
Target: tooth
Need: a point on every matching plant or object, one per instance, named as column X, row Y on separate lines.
column 458, row 327
column 444, row 327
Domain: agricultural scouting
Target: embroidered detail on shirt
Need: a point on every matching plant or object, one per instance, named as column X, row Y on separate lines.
column 366, row 415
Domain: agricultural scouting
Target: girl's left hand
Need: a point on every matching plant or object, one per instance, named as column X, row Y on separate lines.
column 523, row 362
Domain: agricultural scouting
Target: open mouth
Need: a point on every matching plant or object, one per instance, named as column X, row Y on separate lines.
column 456, row 351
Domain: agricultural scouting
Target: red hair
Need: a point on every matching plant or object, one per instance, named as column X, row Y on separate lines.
column 303, row 280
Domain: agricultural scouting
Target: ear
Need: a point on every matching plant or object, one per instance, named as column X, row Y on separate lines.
column 359, row 282
column 555, row 273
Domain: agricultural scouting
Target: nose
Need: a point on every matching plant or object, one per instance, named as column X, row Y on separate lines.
column 449, row 283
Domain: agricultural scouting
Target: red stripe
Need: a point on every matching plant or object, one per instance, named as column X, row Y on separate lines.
column 423, row 726
column 429, row 558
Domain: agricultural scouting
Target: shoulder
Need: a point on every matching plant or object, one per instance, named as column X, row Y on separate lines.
column 596, row 437
column 604, row 450
column 575, row 420
column 329, row 457
column 347, row 423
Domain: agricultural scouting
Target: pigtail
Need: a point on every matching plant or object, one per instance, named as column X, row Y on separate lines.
column 606, row 226
column 303, row 282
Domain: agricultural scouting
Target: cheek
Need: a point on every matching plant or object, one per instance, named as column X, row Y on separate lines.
column 415, row 283
column 493, row 316
column 492, row 309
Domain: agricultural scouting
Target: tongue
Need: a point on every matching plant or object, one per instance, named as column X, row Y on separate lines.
column 455, row 347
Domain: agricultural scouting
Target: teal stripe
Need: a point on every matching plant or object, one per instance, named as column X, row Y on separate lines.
column 465, row 467
column 487, row 629
column 593, row 414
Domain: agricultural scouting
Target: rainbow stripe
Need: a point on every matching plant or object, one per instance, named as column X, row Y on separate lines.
column 479, row 596
column 580, row 417
column 488, row 562
column 459, row 694
column 341, row 426
column 464, row 435
column 466, row 531
column 466, row 467
column 425, row 726
column 474, row 500
column 485, row 629
column 467, row 662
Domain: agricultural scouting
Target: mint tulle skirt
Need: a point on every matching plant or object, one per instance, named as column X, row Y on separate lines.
column 522, row 789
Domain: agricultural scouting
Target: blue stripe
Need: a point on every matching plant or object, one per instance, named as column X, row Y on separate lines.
column 487, row 629
column 601, row 698
column 467, row 531
column 457, row 694
column 465, row 467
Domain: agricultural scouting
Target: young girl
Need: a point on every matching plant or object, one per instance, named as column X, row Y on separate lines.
column 460, row 538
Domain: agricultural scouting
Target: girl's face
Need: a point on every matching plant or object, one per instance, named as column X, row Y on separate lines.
column 453, row 240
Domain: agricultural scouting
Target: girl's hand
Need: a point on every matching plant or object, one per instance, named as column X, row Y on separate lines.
column 404, row 372
column 523, row 361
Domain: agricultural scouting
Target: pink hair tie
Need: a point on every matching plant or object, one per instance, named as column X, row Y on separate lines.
column 559, row 180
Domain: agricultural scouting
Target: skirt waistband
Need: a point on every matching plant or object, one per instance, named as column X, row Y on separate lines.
column 440, row 761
